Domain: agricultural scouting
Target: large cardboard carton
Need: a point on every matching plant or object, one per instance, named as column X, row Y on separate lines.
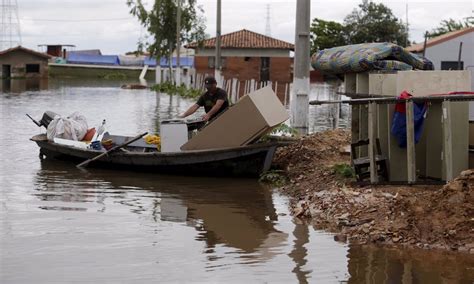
column 251, row 117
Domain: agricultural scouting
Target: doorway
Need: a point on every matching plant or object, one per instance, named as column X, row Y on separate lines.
column 6, row 71
column 265, row 69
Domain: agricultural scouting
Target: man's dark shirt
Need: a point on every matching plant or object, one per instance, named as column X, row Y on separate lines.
column 208, row 101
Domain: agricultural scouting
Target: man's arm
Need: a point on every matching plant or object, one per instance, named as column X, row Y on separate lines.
column 213, row 110
column 192, row 109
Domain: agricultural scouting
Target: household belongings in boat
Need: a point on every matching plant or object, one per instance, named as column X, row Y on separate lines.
column 243, row 124
column 69, row 131
column 367, row 56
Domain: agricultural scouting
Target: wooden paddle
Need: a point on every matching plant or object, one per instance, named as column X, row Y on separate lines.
column 115, row 148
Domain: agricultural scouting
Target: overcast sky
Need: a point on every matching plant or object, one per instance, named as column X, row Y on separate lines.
column 107, row 24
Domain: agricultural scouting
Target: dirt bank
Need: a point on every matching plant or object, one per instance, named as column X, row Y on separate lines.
column 439, row 217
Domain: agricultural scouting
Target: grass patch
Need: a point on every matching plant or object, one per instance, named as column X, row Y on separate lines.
column 344, row 170
column 274, row 177
column 170, row 88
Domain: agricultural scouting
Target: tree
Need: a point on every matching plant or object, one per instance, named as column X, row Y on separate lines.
column 160, row 23
column 326, row 34
column 450, row 25
column 374, row 23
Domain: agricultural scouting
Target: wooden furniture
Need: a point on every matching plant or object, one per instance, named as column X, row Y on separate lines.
column 361, row 165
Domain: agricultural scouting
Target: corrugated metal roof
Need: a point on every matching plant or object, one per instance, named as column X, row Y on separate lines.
column 439, row 39
column 246, row 39
column 183, row 62
column 40, row 54
column 92, row 59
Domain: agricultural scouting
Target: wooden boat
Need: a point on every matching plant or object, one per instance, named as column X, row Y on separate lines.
column 250, row 160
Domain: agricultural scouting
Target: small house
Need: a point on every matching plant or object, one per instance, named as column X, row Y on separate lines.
column 247, row 55
column 20, row 62
column 446, row 50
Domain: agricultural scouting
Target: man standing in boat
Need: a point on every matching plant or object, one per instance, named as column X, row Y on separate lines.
column 214, row 101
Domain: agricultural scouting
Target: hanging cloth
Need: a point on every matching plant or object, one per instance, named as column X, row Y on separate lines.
column 399, row 123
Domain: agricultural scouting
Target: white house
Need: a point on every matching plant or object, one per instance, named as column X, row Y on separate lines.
column 443, row 51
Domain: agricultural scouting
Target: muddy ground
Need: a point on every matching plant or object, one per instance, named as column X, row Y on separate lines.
column 439, row 217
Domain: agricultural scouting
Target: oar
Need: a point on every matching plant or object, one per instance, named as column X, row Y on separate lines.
column 115, row 148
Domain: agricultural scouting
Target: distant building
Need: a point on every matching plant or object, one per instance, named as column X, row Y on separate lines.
column 247, row 55
column 20, row 62
column 443, row 51
column 57, row 50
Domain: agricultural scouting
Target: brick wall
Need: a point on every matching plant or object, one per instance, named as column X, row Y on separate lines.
column 247, row 68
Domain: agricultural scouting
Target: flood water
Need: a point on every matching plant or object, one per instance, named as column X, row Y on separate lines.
column 61, row 225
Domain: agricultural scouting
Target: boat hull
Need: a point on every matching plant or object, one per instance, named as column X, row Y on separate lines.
column 240, row 161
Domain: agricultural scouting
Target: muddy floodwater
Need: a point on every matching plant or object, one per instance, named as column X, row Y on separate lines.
column 59, row 224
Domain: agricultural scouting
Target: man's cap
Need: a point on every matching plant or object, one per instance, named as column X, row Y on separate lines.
column 210, row 80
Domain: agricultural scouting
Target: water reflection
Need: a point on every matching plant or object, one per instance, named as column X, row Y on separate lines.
column 234, row 213
column 17, row 86
column 376, row 265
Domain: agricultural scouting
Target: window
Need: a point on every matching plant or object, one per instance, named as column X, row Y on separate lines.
column 32, row 68
column 247, row 58
column 451, row 65
column 211, row 62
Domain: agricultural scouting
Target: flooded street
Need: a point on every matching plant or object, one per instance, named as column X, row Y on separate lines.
column 59, row 224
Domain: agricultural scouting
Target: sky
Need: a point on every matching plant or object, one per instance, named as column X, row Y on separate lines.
column 107, row 24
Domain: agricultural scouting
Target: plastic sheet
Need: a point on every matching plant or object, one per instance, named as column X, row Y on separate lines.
column 73, row 127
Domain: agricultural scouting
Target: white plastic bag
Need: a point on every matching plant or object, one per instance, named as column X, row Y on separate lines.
column 73, row 127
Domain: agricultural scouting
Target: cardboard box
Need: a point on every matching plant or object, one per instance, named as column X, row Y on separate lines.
column 250, row 118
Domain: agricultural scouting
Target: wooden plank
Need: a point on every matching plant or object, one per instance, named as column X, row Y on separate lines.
column 362, row 87
column 411, row 159
column 460, row 133
column 447, row 141
column 372, row 137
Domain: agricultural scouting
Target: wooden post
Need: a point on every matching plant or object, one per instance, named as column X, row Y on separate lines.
column 234, row 90
column 447, row 140
column 372, row 116
column 411, row 160
column 237, row 94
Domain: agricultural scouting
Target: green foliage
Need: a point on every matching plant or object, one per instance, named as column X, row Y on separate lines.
column 274, row 177
column 284, row 130
column 160, row 22
column 172, row 89
column 451, row 25
column 371, row 22
column 344, row 170
column 374, row 22
column 279, row 133
column 326, row 34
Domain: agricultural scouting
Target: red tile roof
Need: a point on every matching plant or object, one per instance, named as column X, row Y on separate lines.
column 439, row 39
column 245, row 39
column 40, row 54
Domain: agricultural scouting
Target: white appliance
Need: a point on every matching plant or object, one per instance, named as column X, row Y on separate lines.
column 174, row 133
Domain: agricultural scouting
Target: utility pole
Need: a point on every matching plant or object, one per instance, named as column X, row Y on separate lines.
column 178, row 44
column 217, row 63
column 299, row 96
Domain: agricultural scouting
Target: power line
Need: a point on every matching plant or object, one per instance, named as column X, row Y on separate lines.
column 77, row 20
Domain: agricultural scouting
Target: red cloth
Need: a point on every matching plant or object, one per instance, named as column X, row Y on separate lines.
column 400, row 107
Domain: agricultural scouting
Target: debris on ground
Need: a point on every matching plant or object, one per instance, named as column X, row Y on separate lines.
column 438, row 217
